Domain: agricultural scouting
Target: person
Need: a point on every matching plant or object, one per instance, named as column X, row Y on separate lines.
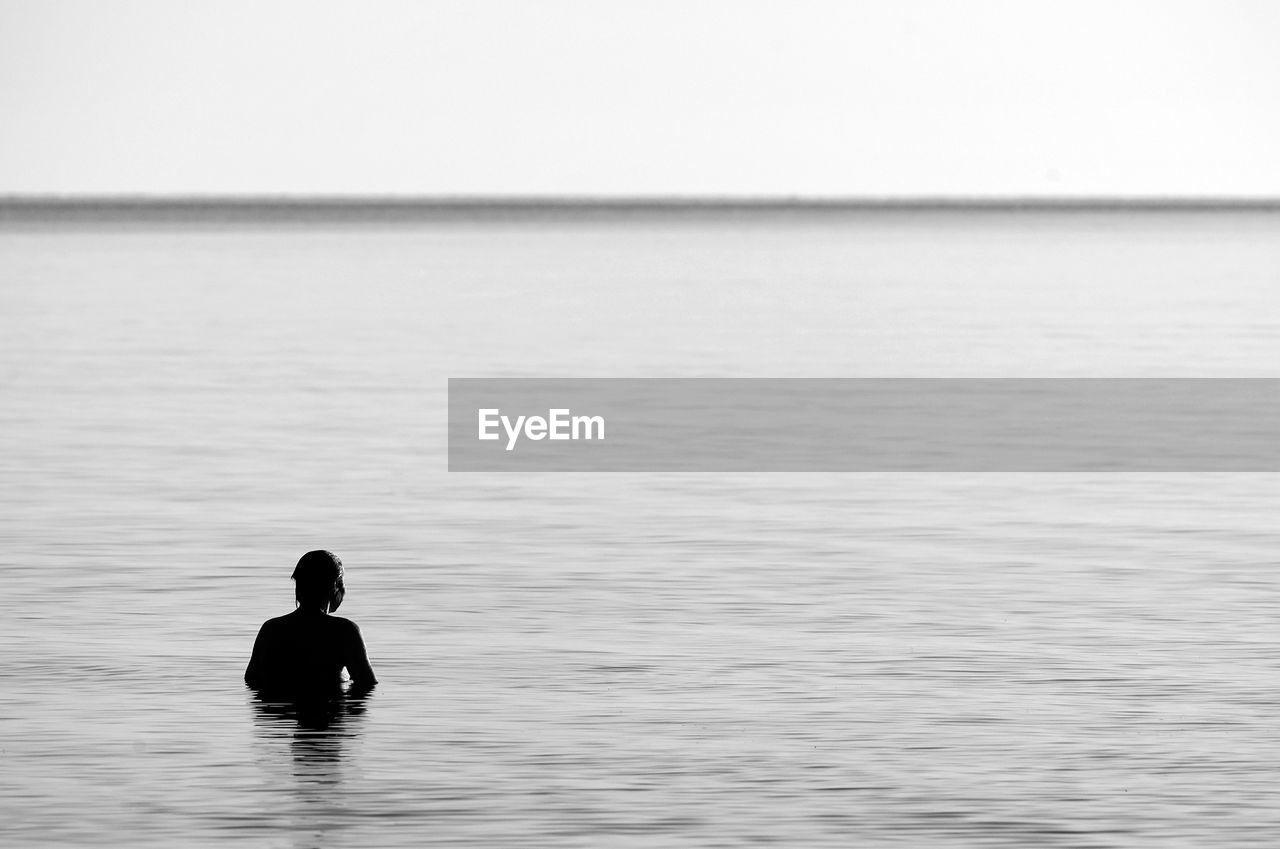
column 303, row 653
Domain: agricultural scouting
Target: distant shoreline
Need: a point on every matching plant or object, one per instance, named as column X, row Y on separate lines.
column 373, row 209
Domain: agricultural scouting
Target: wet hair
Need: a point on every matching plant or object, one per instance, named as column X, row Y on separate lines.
column 318, row 579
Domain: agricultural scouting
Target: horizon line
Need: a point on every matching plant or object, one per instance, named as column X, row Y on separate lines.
column 53, row 209
column 585, row 199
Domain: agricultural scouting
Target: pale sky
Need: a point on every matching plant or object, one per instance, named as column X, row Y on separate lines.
column 599, row 97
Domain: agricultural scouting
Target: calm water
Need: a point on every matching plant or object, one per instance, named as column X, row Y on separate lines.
column 624, row 660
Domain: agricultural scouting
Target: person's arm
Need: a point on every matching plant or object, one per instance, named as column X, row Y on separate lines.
column 357, row 661
column 255, row 675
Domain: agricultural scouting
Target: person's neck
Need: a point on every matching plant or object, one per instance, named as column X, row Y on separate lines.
column 314, row 609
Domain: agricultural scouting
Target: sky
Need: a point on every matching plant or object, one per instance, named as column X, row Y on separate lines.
column 614, row 97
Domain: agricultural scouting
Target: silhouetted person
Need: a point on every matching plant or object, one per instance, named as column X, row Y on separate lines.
column 301, row 655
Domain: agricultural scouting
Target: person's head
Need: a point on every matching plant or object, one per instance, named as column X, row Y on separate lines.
column 318, row 580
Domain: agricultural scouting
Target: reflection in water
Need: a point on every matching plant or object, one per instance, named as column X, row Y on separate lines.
column 317, row 730
column 312, row 801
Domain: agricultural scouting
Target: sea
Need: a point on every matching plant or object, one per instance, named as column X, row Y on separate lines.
column 643, row 659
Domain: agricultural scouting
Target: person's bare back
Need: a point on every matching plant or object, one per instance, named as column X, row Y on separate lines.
column 304, row 652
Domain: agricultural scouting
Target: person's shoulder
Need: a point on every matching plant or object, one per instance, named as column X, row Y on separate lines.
column 275, row 623
column 346, row 626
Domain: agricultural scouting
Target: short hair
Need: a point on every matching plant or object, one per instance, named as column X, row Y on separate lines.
column 315, row 576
